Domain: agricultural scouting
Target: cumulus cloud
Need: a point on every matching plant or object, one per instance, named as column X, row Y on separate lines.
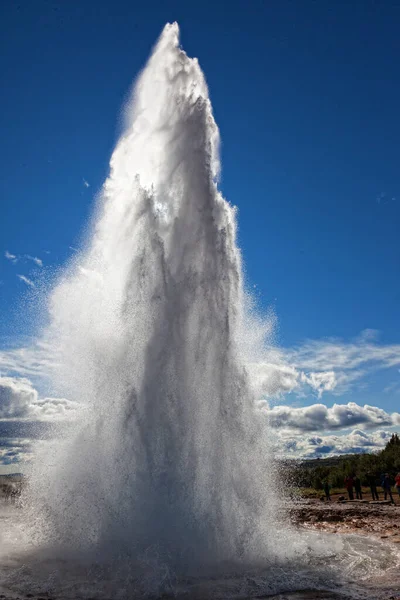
column 273, row 379
column 319, row 417
column 320, row 446
column 26, row 419
column 20, row 400
column 16, row 396
column 15, row 451
column 324, row 381
column 25, row 280
column 54, row 409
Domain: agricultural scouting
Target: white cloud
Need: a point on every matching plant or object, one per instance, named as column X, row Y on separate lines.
column 25, row 280
column 12, row 257
column 35, row 259
column 321, row 366
column 36, row 360
column 319, row 417
column 333, row 365
column 54, row 409
column 86, row 184
column 20, row 400
column 16, row 396
column 337, row 355
column 324, row 381
column 26, row 419
column 273, row 378
column 15, row 451
column 318, row 446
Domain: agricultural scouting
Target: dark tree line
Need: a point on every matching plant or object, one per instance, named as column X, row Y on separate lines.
column 313, row 473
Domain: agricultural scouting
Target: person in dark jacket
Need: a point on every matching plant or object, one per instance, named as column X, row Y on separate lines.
column 387, row 487
column 327, row 490
column 372, row 484
column 357, row 487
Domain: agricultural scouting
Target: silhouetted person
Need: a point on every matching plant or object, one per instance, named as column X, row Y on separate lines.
column 349, row 483
column 387, row 488
column 327, row 489
column 357, row 487
column 372, row 484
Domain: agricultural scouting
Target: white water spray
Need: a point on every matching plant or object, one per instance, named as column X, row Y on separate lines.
column 152, row 337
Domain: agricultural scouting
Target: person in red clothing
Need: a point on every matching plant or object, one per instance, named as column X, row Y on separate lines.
column 349, row 484
column 397, row 483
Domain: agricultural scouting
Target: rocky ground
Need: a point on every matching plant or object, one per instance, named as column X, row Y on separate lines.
column 379, row 519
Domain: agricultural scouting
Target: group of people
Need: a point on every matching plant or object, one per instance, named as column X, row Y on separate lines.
column 352, row 484
column 353, row 481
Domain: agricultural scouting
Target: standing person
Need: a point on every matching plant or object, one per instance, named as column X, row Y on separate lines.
column 349, row 483
column 357, row 487
column 372, row 484
column 397, row 483
column 327, row 490
column 387, row 487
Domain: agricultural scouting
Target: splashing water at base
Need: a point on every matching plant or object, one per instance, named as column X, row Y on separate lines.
column 167, row 476
column 338, row 567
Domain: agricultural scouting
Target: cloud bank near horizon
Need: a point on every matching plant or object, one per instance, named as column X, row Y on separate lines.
column 357, row 441
column 25, row 418
column 319, row 417
column 310, row 370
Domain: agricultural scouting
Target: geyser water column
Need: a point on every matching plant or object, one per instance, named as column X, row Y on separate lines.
column 152, row 336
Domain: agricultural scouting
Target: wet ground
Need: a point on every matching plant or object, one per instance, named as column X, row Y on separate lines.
column 376, row 520
column 379, row 519
column 345, row 551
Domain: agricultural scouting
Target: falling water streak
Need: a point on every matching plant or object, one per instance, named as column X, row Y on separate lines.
column 153, row 336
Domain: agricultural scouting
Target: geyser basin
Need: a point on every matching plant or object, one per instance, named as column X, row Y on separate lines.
column 165, row 484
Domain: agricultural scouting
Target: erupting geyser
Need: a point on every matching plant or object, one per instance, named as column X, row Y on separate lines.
column 153, row 336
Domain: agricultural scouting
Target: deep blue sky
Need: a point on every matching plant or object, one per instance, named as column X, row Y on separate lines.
column 306, row 95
